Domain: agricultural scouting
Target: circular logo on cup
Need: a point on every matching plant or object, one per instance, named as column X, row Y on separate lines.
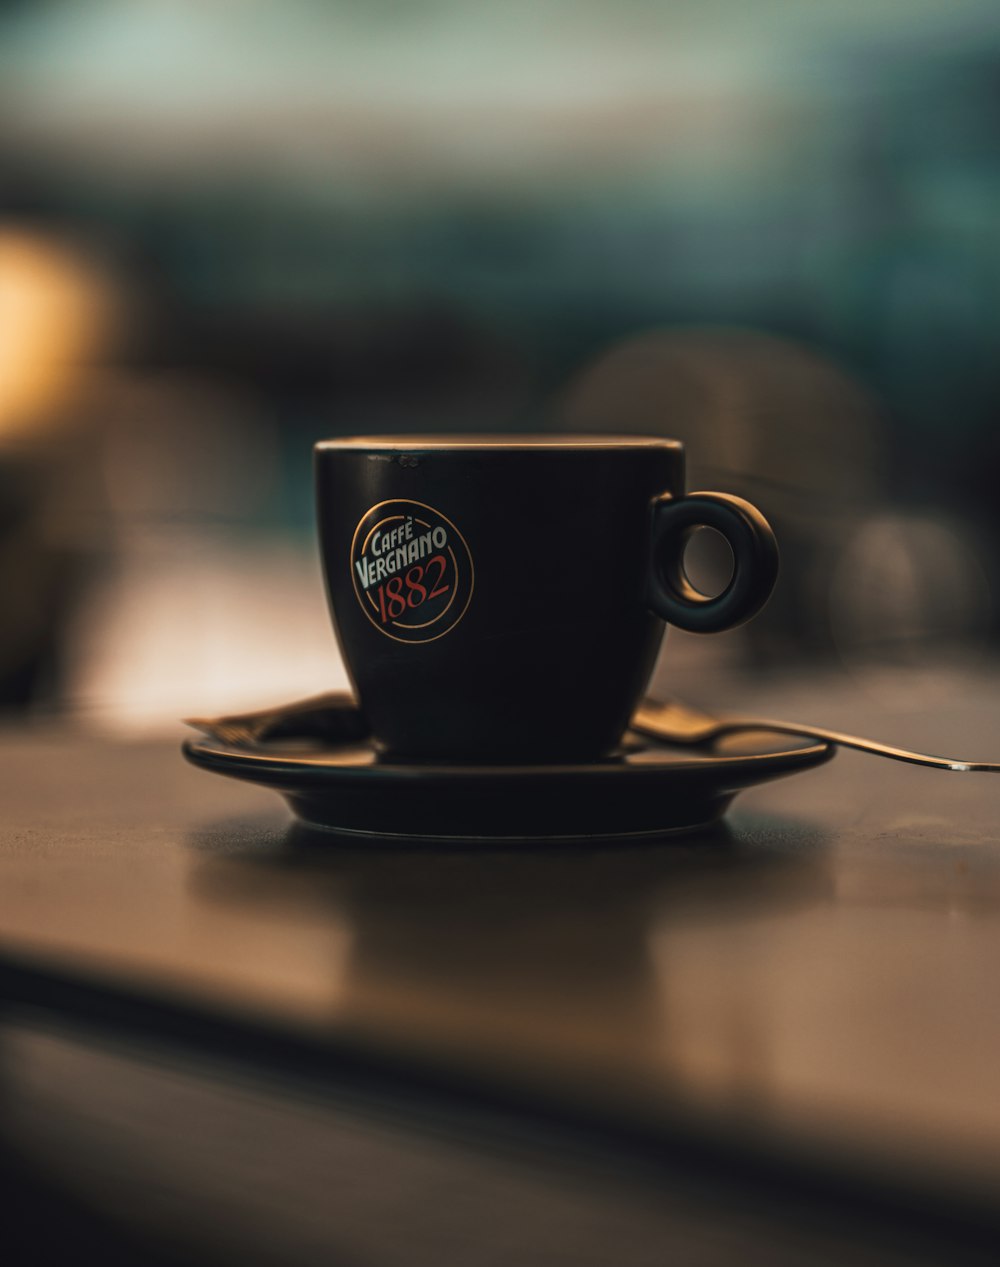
column 412, row 571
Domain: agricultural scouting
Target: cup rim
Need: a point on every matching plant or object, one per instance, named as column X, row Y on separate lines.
column 514, row 441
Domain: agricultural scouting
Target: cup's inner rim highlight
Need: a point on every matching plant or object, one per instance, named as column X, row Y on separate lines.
column 573, row 443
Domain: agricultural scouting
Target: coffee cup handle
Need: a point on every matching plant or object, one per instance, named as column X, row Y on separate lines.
column 755, row 561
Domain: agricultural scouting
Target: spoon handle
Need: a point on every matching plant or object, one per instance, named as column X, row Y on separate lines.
column 728, row 725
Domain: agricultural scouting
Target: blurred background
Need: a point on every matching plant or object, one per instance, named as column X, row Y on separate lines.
column 228, row 230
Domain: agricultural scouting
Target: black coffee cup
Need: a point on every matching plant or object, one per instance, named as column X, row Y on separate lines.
column 503, row 599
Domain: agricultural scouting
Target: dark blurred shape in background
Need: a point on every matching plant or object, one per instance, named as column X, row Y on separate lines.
column 222, row 239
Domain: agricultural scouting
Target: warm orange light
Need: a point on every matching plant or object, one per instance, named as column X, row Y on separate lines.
column 53, row 316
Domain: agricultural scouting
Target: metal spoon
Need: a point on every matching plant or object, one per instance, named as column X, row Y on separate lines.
column 673, row 722
column 335, row 718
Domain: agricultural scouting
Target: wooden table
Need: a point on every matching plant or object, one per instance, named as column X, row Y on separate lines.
column 779, row 1041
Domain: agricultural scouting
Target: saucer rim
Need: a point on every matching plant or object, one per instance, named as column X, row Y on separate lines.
column 256, row 764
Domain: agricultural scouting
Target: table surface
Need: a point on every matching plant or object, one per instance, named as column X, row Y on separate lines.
column 818, row 974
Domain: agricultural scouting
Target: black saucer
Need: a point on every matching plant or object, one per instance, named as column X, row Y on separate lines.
column 339, row 783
